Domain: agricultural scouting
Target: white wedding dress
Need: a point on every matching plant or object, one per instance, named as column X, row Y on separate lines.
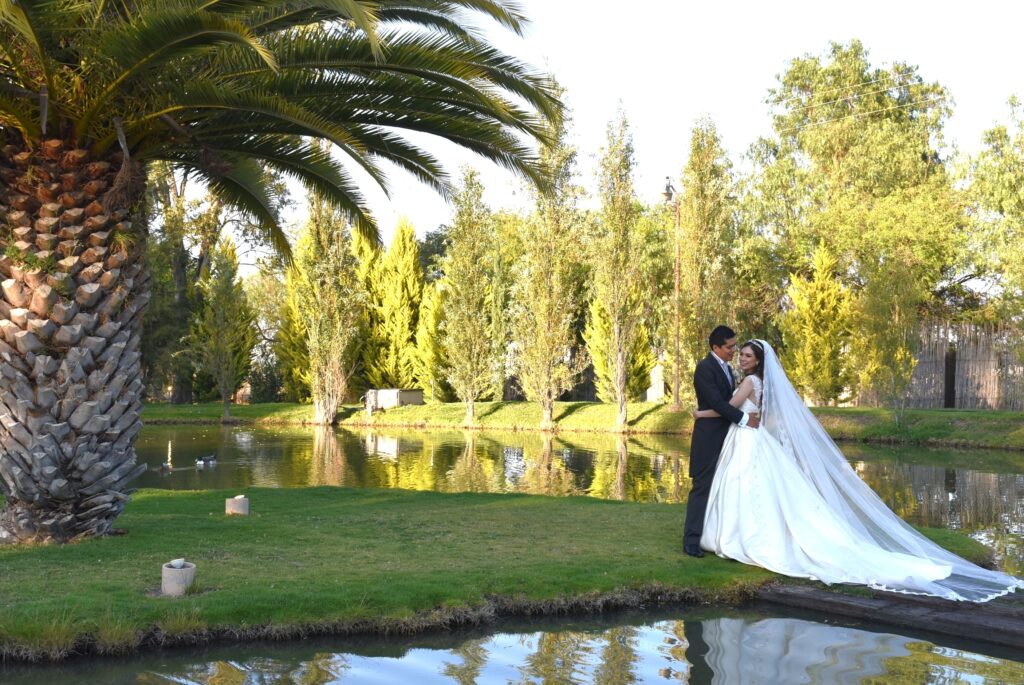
column 784, row 498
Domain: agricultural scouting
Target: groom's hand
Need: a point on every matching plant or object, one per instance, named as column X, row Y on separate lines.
column 753, row 421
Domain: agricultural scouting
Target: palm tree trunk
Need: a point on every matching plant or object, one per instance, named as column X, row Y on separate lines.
column 70, row 331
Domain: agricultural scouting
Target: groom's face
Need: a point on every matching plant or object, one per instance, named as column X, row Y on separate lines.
column 725, row 352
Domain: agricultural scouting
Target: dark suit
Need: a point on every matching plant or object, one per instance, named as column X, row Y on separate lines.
column 713, row 392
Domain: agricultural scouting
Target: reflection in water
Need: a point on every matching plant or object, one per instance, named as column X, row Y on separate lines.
column 725, row 649
column 986, row 499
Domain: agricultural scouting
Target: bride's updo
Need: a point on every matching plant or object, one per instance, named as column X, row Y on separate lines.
column 758, row 351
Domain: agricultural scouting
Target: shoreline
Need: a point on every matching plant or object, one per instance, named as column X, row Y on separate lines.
column 959, row 429
column 999, row 622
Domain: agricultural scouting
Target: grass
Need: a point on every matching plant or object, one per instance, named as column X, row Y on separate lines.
column 945, row 427
column 345, row 560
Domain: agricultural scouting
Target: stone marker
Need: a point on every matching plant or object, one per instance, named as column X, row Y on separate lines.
column 237, row 506
column 177, row 577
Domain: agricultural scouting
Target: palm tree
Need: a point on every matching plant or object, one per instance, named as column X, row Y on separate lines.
column 93, row 92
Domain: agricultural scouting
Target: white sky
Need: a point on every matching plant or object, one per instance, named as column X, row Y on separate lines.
column 670, row 62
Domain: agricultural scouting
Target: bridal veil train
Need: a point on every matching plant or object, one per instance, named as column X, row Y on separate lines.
column 785, row 498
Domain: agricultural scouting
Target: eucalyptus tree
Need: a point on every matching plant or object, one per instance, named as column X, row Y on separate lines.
column 93, row 93
column 856, row 164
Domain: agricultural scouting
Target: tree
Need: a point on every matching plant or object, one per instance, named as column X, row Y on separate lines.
column 996, row 175
column 502, row 251
column 706, row 243
column 291, row 347
column 619, row 259
column 545, row 293
column 399, row 281
column 330, row 303
column 94, row 93
column 464, row 333
column 855, row 165
column 816, row 331
column 224, row 333
column 640, row 359
column 429, row 355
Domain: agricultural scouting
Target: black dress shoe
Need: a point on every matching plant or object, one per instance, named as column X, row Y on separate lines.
column 693, row 551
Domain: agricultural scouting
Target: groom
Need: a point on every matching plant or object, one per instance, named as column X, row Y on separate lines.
column 714, row 384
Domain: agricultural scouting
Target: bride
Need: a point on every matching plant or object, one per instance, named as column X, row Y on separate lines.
column 784, row 498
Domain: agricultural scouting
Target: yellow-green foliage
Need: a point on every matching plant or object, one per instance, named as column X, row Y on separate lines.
column 640, row 358
column 399, row 283
column 816, row 331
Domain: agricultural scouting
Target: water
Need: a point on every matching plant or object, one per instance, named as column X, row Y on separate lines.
column 666, row 646
column 979, row 492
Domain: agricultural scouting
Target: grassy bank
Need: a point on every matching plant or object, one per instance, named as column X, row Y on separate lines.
column 954, row 428
column 344, row 560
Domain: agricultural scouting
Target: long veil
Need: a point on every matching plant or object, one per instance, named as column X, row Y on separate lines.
column 788, row 419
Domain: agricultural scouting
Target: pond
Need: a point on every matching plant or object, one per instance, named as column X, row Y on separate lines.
column 664, row 646
column 979, row 492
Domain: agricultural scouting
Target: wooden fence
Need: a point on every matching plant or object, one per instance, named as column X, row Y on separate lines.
column 968, row 366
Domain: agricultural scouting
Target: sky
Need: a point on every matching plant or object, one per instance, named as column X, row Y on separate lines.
column 667, row 63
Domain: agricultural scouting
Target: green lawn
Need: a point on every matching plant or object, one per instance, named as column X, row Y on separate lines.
column 338, row 559
column 955, row 428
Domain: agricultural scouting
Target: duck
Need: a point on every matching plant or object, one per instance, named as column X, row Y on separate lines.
column 165, row 467
column 210, row 460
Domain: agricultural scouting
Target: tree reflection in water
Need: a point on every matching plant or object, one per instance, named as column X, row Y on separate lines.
column 732, row 648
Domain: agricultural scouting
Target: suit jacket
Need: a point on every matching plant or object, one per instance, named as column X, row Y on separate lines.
column 713, row 392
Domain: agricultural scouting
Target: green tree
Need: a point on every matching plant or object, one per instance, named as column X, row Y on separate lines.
column 886, row 322
column 619, row 260
column 224, row 333
column 706, row 242
column 399, row 280
column 290, row 345
column 855, row 165
column 640, row 359
column 504, row 248
column 816, row 331
column 330, row 303
column 996, row 176
column 429, row 355
column 470, row 352
column 546, row 294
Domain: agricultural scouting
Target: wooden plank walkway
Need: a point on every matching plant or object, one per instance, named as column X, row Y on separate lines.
column 1000, row 621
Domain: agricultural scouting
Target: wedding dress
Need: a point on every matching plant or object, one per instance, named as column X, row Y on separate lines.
column 784, row 498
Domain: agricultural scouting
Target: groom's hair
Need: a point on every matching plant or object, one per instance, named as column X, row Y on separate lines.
column 720, row 335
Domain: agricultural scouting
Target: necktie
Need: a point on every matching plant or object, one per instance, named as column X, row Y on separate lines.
column 725, row 370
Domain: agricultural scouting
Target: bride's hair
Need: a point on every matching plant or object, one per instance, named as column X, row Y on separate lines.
column 759, row 355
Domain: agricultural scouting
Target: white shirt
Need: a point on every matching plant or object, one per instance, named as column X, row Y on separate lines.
column 732, row 383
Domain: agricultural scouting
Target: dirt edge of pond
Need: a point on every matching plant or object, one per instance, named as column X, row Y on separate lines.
column 488, row 611
column 997, row 622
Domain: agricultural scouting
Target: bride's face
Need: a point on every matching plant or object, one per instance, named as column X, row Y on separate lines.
column 748, row 362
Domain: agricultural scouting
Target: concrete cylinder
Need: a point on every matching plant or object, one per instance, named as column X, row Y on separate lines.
column 236, row 506
column 176, row 581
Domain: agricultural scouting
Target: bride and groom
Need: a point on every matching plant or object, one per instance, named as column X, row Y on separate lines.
column 770, row 488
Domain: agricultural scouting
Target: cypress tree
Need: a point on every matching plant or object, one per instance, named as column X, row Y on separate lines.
column 429, row 356
column 399, row 289
column 640, row 359
column 224, row 333
column 816, row 331
column 290, row 346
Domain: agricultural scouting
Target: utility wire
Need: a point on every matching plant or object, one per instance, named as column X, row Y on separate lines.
column 838, row 89
column 861, row 114
column 846, row 98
